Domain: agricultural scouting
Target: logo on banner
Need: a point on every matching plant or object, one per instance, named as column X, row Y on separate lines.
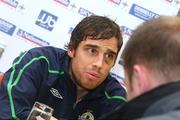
column 142, row 13
column 70, row 30
column 12, row 3
column 31, row 38
column 126, row 31
column 115, row 1
column 7, row 27
column 21, row 7
column 118, row 77
column 176, row 3
column 169, row 1
column 178, row 14
column 73, row 6
column 2, row 49
column 84, row 12
column 46, row 20
column 63, row 2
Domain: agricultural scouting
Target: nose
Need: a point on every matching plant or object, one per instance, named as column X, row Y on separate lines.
column 98, row 62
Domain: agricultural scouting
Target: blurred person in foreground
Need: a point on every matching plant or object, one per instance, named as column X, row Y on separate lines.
column 152, row 72
column 76, row 83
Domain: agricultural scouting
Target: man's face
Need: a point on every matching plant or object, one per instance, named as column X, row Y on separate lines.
column 92, row 61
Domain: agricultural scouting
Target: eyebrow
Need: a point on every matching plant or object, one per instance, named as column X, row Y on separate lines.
column 95, row 46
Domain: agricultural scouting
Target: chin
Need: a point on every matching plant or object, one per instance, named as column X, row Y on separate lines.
column 89, row 88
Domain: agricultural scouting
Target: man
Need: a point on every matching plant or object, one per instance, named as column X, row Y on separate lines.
column 76, row 83
column 152, row 71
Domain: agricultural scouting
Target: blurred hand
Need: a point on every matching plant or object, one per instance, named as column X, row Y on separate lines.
column 53, row 118
column 40, row 118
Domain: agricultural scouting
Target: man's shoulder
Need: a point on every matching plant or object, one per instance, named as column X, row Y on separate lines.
column 48, row 52
column 47, row 49
column 112, row 81
column 113, row 85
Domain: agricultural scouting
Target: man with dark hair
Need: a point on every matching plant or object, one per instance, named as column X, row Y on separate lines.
column 152, row 71
column 76, row 83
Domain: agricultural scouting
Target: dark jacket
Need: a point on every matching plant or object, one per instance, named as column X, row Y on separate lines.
column 172, row 115
column 159, row 101
column 41, row 74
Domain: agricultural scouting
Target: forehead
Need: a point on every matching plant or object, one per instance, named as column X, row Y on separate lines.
column 110, row 44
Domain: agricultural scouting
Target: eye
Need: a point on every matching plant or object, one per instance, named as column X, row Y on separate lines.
column 109, row 57
column 92, row 50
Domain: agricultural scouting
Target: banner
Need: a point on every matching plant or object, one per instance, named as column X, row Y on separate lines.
column 25, row 24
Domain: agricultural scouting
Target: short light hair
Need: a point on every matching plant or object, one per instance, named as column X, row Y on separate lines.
column 155, row 44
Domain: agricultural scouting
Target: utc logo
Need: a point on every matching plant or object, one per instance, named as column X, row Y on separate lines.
column 46, row 20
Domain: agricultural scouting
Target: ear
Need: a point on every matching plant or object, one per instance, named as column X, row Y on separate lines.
column 141, row 78
column 70, row 52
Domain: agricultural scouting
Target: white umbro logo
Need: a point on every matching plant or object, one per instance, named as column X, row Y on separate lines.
column 56, row 93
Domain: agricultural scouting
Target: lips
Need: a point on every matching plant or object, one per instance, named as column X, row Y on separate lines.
column 93, row 75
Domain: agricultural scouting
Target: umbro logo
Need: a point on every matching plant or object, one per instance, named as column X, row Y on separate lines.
column 56, row 93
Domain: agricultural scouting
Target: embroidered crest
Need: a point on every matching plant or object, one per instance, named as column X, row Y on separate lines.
column 86, row 116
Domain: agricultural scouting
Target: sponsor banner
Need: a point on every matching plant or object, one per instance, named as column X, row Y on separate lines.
column 63, row 2
column 70, row 30
column 142, row 13
column 27, row 36
column 2, row 48
column 84, row 12
column 178, row 14
column 12, row 3
column 115, row 1
column 2, row 45
column 126, row 31
column 170, row 1
column 43, row 15
column 7, row 27
column 120, row 62
column 46, row 20
column 118, row 77
column 1, row 51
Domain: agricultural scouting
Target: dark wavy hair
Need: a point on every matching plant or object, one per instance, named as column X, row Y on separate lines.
column 95, row 27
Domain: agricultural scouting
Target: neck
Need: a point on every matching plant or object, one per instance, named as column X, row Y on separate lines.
column 80, row 92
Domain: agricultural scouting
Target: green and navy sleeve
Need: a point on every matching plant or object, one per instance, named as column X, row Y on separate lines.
column 115, row 95
column 20, row 84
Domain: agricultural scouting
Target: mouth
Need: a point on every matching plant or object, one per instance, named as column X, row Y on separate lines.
column 93, row 75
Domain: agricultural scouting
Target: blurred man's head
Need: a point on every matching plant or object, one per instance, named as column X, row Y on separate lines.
column 152, row 55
